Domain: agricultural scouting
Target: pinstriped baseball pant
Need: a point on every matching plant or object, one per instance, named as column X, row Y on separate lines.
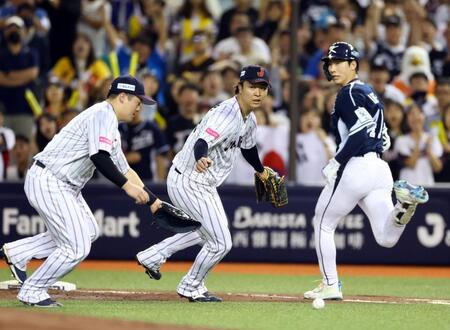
column 71, row 227
column 203, row 203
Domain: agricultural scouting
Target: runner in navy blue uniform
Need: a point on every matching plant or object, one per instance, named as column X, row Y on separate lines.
column 357, row 175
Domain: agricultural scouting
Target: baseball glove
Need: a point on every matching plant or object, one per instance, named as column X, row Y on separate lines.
column 174, row 219
column 272, row 186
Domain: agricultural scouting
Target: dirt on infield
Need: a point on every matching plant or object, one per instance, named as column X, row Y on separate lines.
column 34, row 320
column 30, row 319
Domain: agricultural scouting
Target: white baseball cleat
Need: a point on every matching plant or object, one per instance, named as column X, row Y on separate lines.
column 325, row 292
column 408, row 197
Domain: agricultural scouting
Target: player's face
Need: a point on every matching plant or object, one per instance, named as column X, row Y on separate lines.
column 342, row 71
column 253, row 94
column 131, row 107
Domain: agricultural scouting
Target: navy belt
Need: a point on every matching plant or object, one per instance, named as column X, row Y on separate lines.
column 378, row 155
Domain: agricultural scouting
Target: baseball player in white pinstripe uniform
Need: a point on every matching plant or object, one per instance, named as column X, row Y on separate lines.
column 203, row 164
column 53, row 187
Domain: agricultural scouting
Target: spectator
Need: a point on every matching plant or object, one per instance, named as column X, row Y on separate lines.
column 443, row 100
column 181, row 124
column 418, row 150
column 46, row 129
column 63, row 17
column 7, row 141
column 145, row 148
column 313, row 148
column 248, row 53
column 81, row 71
column 55, row 97
column 171, row 96
column 36, row 37
column 150, row 16
column 193, row 15
column 243, row 47
column 446, row 65
column 40, row 17
column 241, row 7
column 212, row 89
column 67, row 116
column 389, row 52
column 122, row 11
column 150, row 55
column 19, row 67
column 379, row 78
column 100, row 92
column 415, row 60
column 201, row 59
column 419, row 95
column 283, row 47
column 435, row 49
column 20, row 160
column 230, row 77
column 395, row 121
column 151, row 89
column 91, row 24
column 444, row 175
column 272, row 19
column 328, row 31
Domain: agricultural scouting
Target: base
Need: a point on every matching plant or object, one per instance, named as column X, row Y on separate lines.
column 62, row 286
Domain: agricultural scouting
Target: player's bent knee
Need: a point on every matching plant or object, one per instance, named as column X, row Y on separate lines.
column 386, row 243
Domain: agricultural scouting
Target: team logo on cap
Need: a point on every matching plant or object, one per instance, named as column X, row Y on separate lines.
column 260, row 73
column 127, row 87
column 242, row 73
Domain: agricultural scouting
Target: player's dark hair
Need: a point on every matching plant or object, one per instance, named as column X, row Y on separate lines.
column 236, row 88
column 114, row 96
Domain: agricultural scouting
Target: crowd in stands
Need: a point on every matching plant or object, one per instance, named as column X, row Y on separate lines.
column 58, row 57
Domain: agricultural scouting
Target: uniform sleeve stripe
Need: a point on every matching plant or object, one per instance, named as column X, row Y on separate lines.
column 350, row 92
column 360, row 127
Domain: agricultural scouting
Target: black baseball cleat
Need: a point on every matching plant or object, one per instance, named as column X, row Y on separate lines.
column 153, row 273
column 47, row 303
column 206, row 297
column 18, row 274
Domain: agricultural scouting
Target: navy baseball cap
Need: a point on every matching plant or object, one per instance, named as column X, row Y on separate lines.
column 254, row 74
column 130, row 85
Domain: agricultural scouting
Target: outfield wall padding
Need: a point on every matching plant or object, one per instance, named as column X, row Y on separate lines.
column 260, row 232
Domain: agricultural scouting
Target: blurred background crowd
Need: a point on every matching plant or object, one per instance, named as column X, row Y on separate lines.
column 58, row 57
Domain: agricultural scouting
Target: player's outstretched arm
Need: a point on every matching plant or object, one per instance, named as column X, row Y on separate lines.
column 153, row 201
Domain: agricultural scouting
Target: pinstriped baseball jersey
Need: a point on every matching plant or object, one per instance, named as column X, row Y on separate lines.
column 225, row 130
column 67, row 154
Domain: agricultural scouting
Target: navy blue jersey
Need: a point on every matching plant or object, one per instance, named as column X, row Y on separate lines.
column 145, row 138
column 357, row 108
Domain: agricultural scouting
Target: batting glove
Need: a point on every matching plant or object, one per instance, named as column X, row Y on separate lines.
column 386, row 139
column 330, row 171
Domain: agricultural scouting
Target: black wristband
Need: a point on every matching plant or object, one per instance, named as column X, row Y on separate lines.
column 152, row 197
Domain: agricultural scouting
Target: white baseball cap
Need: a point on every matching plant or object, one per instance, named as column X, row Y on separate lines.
column 15, row 20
